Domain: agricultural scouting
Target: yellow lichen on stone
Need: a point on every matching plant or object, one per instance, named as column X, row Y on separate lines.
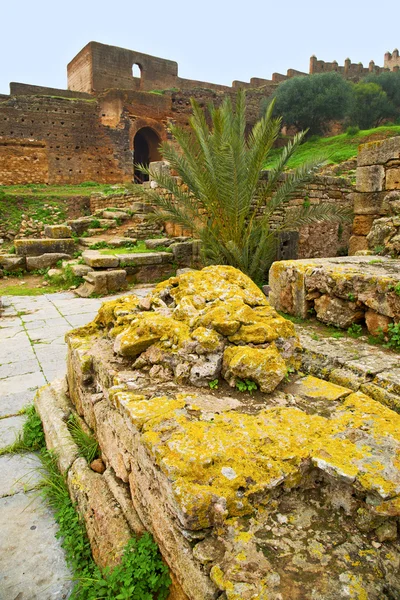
column 147, row 329
column 207, row 338
column 266, row 330
column 265, row 366
column 112, row 313
column 315, row 388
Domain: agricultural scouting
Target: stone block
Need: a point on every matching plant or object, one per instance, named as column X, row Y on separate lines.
column 116, row 280
column 154, row 243
column 357, row 243
column 393, row 179
column 382, row 231
column 362, row 224
column 186, row 253
column 80, row 270
column 11, row 262
column 370, row 179
column 369, row 203
column 378, row 153
column 33, row 247
column 111, row 214
column 57, row 231
column 337, row 312
column 139, row 259
column 314, row 388
column 105, row 523
column 80, row 225
column 376, row 323
column 46, row 260
column 100, row 261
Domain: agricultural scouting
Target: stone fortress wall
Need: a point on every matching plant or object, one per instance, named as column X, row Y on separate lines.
column 94, row 129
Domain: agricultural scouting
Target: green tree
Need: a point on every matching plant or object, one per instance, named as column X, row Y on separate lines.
column 311, row 102
column 370, row 105
column 389, row 81
column 228, row 203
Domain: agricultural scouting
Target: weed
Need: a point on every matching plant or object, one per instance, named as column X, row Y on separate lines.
column 355, row 330
column 396, row 289
column 337, row 335
column 378, row 249
column 246, row 386
column 87, row 443
column 306, row 202
column 315, row 337
column 351, row 297
column 374, row 261
column 213, row 385
column 31, row 438
column 95, row 224
column 141, row 573
column 393, row 336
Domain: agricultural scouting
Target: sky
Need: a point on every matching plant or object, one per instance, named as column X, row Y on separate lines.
column 212, row 40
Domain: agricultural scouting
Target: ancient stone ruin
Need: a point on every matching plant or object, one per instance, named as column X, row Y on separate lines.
column 289, row 492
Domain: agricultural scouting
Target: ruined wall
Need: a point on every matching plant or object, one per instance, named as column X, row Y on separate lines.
column 378, row 179
column 77, row 146
column 23, row 161
column 392, row 60
column 352, row 71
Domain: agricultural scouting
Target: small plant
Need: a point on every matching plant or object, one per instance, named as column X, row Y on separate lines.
column 393, row 336
column 315, row 337
column 337, row 335
column 355, row 330
column 396, row 289
column 95, row 224
column 31, row 438
column 351, row 297
column 246, row 386
column 98, row 245
column 87, row 443
column 352, row 130
column 213, row 385
column 306, row 202
column 374, row 261
column 379, row 249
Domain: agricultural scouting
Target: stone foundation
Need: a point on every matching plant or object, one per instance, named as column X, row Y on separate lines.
column 341, row 291
column 290, row 494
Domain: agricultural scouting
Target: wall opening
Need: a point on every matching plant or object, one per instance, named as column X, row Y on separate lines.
column 145, row 150
column 136, row 71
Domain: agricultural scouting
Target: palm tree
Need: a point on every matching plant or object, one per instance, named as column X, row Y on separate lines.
column 225, row 200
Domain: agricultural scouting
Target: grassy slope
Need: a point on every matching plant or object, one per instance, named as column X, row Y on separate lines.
column 336, row 149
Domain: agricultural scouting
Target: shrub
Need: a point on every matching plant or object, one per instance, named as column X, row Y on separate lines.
column 370, row 105
column 389, row 82
column 310, row 102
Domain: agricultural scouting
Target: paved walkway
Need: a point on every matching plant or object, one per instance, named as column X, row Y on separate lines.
column 32, row 353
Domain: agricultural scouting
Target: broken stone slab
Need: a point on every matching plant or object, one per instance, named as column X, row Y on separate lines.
column 54, row 409
column 101, row 283
column 46, row 260
column 115, row 242
column 379, row 152
column 154, row 243
column 115, row 215
column 80, row 270
column 314, row 388
column 138, row 259
column 37, row 247
column 109, row 534
column 57, row 231
column 94, row 259
column 11, row 262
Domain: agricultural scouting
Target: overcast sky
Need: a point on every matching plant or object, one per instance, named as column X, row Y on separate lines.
column 212, row 40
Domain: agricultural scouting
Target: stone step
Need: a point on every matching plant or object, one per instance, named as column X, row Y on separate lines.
column 115, row 242
column 353, row 363
column 101, row 283
column 37, row 247
column 57, row 231
column 95, row 259
column 341, row 291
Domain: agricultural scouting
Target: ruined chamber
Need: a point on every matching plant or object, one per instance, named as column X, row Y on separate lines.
column 289, row 492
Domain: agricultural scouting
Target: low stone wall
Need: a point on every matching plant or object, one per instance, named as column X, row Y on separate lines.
column 340, row 291
column 123, row 201
column 377, row 191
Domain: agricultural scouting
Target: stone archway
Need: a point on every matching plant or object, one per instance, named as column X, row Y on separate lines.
column 145, row 150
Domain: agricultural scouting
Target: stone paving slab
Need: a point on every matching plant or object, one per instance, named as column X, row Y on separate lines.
column 32, row 560
column 11, row 404
column 21, row 383
column 18, row 473
column 9, row 429
column 18, row 368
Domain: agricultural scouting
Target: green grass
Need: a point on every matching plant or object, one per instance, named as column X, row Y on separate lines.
column 50, row 191
column 139, row 248
column 87, row 444
column 336, row 149
column 31, row 438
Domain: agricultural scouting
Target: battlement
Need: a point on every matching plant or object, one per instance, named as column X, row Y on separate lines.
column 392, row 60
column 349, row 70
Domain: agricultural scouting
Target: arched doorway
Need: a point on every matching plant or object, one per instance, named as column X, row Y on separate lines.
column 145, row 150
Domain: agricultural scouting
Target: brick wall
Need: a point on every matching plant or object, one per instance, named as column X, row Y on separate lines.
column 79, row 147
column 23, row 161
